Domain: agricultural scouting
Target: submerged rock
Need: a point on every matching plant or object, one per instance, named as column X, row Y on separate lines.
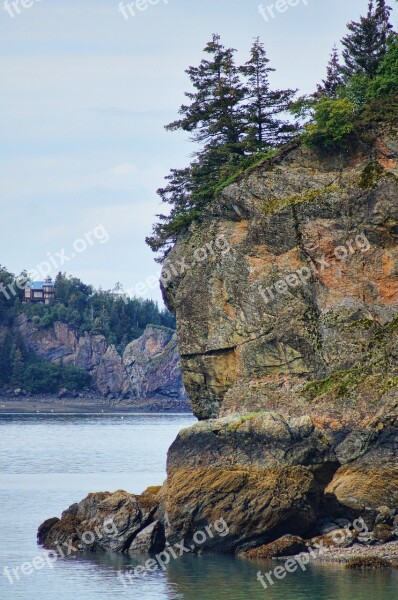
column 373, row 563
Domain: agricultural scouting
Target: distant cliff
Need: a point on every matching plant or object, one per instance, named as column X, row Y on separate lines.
column 149, row 367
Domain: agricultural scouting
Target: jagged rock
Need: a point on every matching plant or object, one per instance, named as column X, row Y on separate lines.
column 288, row 545
column 152, row 365
column 102, row 521
column 150, row 540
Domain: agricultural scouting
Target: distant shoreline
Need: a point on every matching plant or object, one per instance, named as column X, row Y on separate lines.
column 99, row 405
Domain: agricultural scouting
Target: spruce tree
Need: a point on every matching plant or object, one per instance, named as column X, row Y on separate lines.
column 263, row 105
column 215, row 119
column 334, row 79
column 366, row 43
column 213, row 115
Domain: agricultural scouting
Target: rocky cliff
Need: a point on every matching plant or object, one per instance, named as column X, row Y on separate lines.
column 288, row 334
column 297, row 323
column 149, row 367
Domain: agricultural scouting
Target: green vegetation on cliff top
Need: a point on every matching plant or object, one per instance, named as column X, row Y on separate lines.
column 240, row 123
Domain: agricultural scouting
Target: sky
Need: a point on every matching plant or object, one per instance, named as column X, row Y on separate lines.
column 86, row 88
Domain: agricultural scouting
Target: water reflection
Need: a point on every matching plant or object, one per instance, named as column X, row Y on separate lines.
column 224, row 577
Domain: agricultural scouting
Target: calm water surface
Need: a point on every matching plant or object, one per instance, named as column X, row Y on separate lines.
column 47, row 462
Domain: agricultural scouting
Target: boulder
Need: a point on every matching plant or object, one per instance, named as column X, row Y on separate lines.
column 288, row 545
column 259, row 440
column 249, row 506
column 383, row 533
column 102, row 521
column 45, row 528
column 360, row 487
column 150, row 540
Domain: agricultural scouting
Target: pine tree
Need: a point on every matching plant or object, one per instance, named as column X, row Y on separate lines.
column 188, row 191
column 215, row 119
column 263, row 128
column 366, row 44
column 386, row 80
column 334, row 79
column 213, row 115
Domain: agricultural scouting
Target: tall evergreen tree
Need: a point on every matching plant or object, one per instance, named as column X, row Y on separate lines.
column 214, row 116
column 263, row 127
column 334, row 78
column 366, row 43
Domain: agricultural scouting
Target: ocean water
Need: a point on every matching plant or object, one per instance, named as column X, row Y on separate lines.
column 47, row 462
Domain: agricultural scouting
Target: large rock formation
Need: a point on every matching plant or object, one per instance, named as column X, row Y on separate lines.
column 298, row 319
column 288, row 334
column 323, row 231
column 149, row 367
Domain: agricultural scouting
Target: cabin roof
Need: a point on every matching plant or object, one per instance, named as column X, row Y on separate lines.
column 38, row 285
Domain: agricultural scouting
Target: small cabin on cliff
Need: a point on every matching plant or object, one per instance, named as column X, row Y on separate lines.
column 40, row 291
